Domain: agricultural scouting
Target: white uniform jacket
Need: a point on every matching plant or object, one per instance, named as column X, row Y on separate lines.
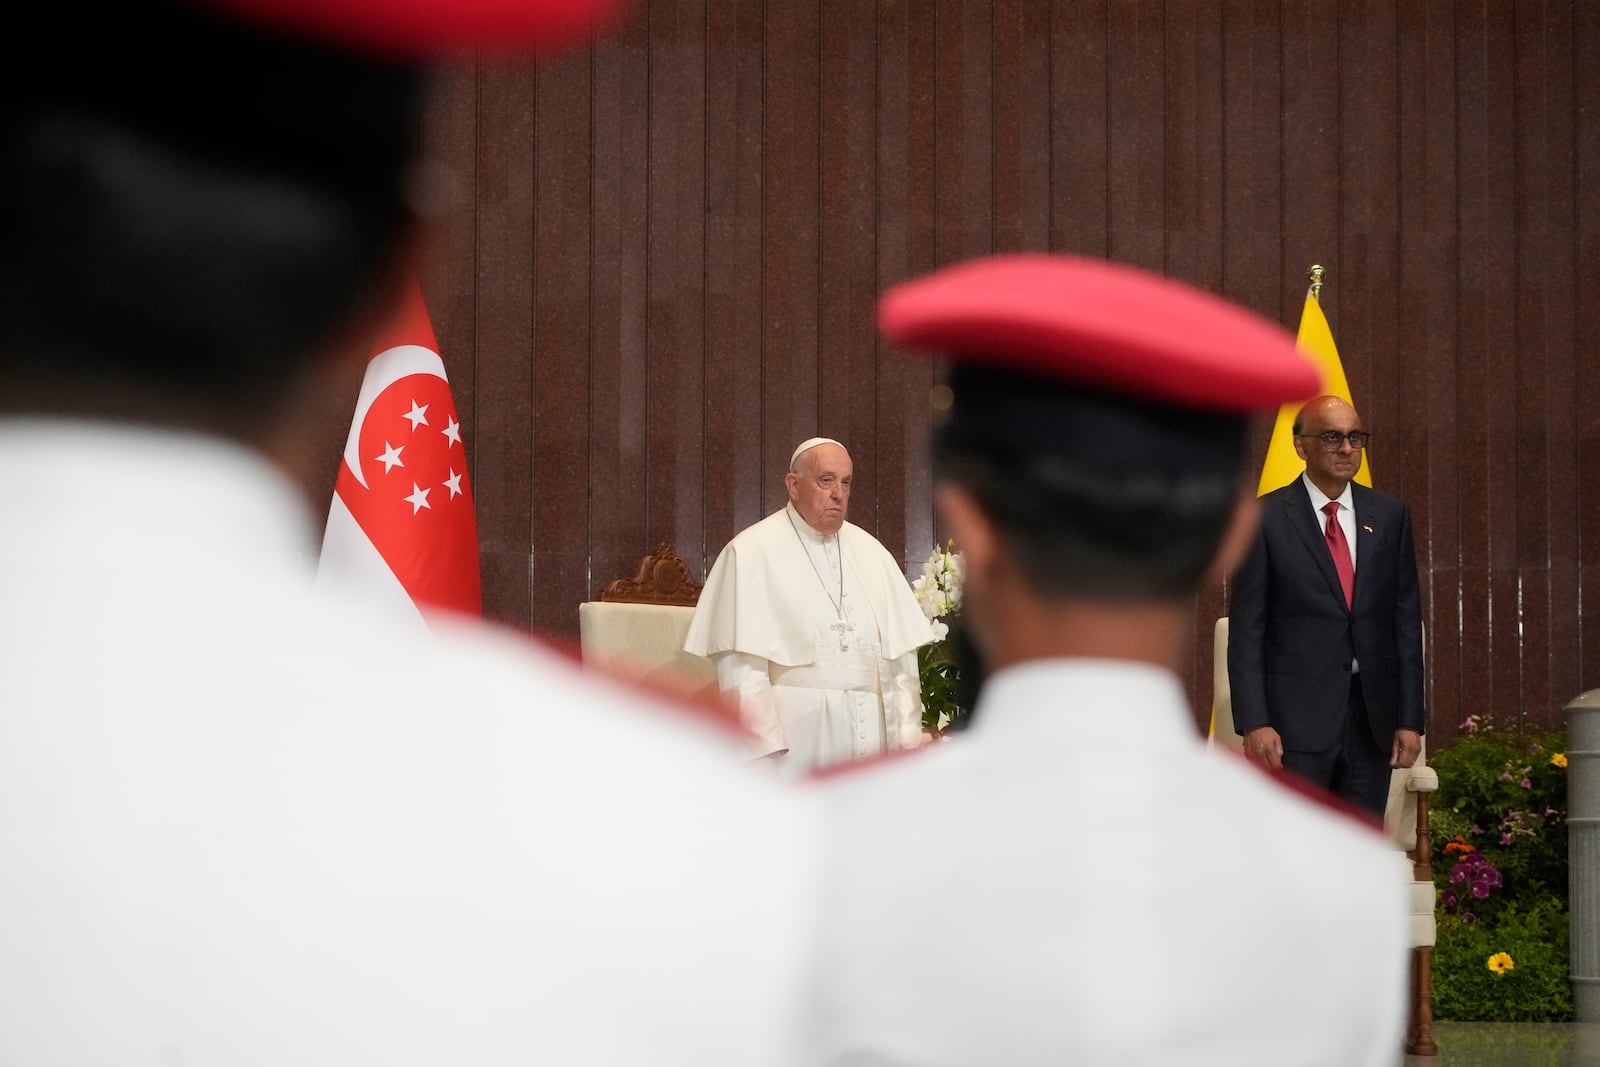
column 245, row 824
column 1081, row 881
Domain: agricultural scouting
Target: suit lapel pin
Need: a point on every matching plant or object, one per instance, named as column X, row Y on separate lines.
column 1367, row 528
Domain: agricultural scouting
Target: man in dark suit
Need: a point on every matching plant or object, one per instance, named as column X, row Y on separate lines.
column 1325, row 629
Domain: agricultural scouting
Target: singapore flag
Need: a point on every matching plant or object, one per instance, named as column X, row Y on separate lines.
column 401, row 528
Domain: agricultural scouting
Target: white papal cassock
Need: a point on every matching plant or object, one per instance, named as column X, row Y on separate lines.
column 816, row 635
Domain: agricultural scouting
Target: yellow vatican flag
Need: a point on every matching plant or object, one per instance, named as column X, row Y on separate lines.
column 1282, row 465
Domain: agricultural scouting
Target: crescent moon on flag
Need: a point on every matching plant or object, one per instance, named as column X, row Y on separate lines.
column 386, row 368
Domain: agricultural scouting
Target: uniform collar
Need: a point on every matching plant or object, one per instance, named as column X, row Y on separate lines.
column 1079, row 698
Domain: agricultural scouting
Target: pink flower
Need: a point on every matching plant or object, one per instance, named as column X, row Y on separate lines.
column 1505, row 776
column 1526, row 784
column 1505, row 839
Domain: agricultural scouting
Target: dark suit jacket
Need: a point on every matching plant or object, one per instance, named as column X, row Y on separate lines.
column 1291, row 638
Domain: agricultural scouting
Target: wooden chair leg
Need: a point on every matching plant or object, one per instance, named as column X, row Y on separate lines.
column 1419, row 1027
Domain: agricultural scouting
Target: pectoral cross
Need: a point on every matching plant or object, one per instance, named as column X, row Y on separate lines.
column 844, row 629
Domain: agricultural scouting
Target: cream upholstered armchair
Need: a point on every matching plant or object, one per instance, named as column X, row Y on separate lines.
column 1406, row 820
column 637, row 626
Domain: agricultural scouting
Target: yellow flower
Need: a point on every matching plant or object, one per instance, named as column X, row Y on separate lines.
column 1559, row 759
column 1500, row 963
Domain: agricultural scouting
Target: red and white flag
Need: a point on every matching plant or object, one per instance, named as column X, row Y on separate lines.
column 401, row 527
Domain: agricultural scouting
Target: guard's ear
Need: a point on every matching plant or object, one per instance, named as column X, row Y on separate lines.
column 974, row 534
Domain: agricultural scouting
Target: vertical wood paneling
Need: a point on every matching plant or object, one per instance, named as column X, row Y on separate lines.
column 675, row 301
column 1136, row 134
column 561, row 351
column 451, row 182
column 1586, row 431
column 847, row 352
column 1193, row 200
column 724, row 189
column 790, row 282
column 1488, row 365
column 1193, row 207
column 1309, row 42
column 1250, row 216
column 905, row 242
column 502, row 446
column 734, row 104
column 1367, row 269
column 963, row 124
column 1544, row 322
column 1254, row 272
column 1427, row 332
column 618, row 531
column 1080, row 79
column 1557, row 663
column 1022, row 106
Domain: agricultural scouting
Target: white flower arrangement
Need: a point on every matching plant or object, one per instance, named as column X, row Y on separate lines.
column 938, row 593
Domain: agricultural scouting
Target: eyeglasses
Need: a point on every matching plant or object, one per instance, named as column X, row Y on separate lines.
column 1332, row 439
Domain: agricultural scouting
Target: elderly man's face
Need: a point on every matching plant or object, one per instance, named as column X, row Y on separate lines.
column 1330, row 469
column 820, row 489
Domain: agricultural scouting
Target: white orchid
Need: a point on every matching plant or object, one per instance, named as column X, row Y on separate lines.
column 938, row 593
column 938, row 590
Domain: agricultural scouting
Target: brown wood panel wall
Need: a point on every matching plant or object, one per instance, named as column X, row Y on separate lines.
column 657, row 260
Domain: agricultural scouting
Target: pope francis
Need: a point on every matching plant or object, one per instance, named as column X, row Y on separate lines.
column 812, row 627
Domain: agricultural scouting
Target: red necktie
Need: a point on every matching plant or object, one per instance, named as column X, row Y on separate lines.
column 1340, row 548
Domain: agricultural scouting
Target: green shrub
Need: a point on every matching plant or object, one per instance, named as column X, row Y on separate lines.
column 1505, row 795
column 1535, row 988
column 1500, row 865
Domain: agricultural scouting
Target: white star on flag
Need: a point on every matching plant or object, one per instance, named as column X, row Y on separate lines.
column 390, row 458
column 417, row 415
column 405, row 551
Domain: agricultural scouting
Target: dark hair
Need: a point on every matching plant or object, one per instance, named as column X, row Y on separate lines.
column 1079, row 529
column 193, row 206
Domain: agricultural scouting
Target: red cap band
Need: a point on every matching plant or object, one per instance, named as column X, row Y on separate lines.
column 1102, row 326
column 430, row 29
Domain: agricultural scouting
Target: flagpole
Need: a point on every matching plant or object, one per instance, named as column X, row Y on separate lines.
column 1315, row 275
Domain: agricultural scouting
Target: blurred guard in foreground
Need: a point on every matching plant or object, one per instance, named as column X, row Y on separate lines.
column 240, row 824
column 1092, row 885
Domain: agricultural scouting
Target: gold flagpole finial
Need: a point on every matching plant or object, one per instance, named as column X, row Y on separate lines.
column 1315, row 274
